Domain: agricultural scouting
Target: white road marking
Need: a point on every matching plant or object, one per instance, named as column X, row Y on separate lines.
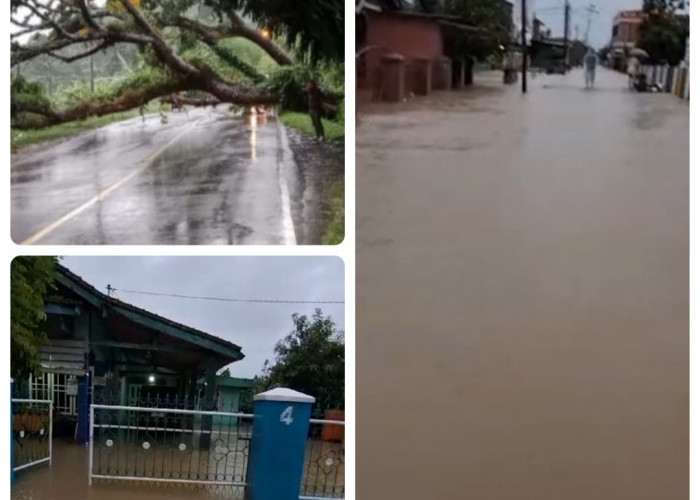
column 290, row 237
column 147, row 162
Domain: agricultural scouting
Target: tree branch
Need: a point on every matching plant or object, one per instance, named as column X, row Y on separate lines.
column 51, row 22
column 19, row 53
column 87, row 16
column 132, row 98
column 129, row 99
column 160, row 46
column 239, row 28
column 87, row 53
column 211, row 36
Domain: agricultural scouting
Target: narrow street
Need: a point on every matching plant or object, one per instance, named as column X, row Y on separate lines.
column 204, row 177
column 522, row 293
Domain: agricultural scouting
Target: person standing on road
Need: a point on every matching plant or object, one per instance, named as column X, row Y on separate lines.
column 590, row 62
column 632, row 70
column 315, row 107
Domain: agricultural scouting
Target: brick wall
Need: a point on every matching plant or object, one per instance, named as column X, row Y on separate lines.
column 413, row 38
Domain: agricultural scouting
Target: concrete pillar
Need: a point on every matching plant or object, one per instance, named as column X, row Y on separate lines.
column 674, row 81
column 393, row 78
column 422, row 76
column 209, row 393
column 468, row 71
column 458, row 72
column 83, row 402
column 278, row 445
column 442, row 74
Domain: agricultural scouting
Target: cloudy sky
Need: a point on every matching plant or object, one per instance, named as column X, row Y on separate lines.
column 255, row 327
column 552, row 13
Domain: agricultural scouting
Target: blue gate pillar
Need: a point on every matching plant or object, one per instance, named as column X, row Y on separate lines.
column 12, row 440
column 83, row 403
column 278, row 445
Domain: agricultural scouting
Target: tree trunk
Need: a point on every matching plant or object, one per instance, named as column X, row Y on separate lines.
column 133, row 98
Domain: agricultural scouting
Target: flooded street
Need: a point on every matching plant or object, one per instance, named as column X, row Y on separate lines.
column 205, row 177
column 67, row 476
column 522, row 294
column 67, row 479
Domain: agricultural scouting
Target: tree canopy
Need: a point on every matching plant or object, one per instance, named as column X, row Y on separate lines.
column 186, row 45
column 30, row 280
column 664, row 31
column 311, row 359
column 492, row 26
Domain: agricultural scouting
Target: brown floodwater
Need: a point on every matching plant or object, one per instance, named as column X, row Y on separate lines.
column 67, row 479
column 522, row 294
column 67, row 476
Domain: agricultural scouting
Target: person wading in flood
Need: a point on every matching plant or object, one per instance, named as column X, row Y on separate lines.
column 590, row 62
column 315, row 106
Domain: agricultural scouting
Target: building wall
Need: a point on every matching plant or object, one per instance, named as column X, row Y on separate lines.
column 413, row 38
column 626, row 26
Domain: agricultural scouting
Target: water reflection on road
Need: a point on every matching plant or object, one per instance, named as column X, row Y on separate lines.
column 202, row 178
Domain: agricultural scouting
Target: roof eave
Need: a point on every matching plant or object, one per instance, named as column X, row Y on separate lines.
column 98, row 299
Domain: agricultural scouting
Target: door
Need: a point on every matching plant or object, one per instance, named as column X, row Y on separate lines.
column 134, row 394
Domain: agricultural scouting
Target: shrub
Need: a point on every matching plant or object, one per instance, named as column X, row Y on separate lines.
column 287, row 83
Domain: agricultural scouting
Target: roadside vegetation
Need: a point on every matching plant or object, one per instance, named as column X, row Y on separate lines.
column 334, row 197
column 77, row 65
column 334, row 233
column 310, row 359
column 24, row 138
column 335, row 132
column 75, row 60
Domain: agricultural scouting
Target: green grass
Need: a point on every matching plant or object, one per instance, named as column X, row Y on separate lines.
column 334, row 232
column 22, row 138
column 335, row 131
column 335, row 208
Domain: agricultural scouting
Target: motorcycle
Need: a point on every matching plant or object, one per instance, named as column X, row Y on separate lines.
column 638, row 82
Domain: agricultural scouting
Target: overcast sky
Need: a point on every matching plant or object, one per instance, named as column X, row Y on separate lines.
column 255, row 327
column 552, row 13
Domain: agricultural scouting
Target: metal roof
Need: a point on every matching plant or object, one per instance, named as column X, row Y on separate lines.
column 141, row 335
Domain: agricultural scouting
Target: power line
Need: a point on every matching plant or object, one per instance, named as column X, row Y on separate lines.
column 591, row 10
column 221, row 299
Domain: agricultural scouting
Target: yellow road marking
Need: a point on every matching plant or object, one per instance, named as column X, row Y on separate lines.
column 148, row 162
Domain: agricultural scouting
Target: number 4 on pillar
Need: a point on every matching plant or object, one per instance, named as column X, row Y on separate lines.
column 286, row 415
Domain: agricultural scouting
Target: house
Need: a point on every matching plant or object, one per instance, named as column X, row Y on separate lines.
column 547, row 54
column 403, row 48
column 625, row 30
column 625, row 35
column 102, row 349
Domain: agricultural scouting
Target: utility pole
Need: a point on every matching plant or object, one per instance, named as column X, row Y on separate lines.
column 567, row 10
column 523, row 40
column 92, row 75
column 590, row 12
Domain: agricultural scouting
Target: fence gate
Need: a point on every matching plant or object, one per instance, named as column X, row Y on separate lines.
column 59, row 387
column 32, row 422
column 169, row 446
column 324, row 463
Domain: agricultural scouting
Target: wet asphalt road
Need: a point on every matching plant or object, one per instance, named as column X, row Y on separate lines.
column 522, row 294
column 202, row 178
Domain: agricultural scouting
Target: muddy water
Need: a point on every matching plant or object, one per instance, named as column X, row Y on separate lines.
column 522, row 294
column 67, row 479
